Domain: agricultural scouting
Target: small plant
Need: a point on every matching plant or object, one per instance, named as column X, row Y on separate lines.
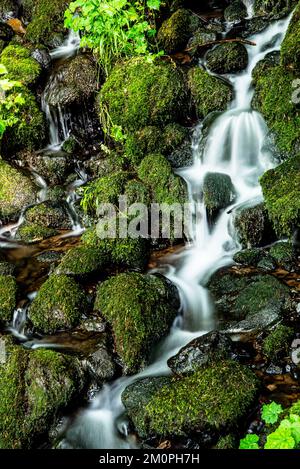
column 10, row 101
column 270, row 413
column 249, row 442
column 113, row 28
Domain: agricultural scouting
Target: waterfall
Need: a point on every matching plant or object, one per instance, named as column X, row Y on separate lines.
column 249, row 4
column 234, row 146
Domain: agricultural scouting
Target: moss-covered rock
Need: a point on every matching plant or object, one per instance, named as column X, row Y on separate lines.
column 261, row 69
column 82, row 261
column 8, row 297
column 253, row 226
column 49, row 215
column 33, row 232
column 227, row 442
column 209, row 93
column 284, row 254
column 59, row 304
column 140, row 309
column 278, row 342
column 218, row 191
column 213, row 399
column 30, row 130
column 274, row 8
column 235, row 12
column 281, row 189
column 7, row 7
column 46, row 19
column 175, row 31
column 138, row 94
column 290, row 55
column 248, row 256
column 227, row 58
column 16, row 191
column 34, row 387
column 20, row 65
column 273, row 99
column 7, row 268
column 53, row 167
column 201, row 37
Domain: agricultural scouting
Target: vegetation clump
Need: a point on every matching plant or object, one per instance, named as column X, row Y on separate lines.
column 175, row 31
column 20, row 65
column 278, row 342
column 227, row 58
column 8, row 297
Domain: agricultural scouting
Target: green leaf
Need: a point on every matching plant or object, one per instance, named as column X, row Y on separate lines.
column 249, row 442
column 153, row 4
column 3, row 70
column 271, row 412
column 293, row 424
column 280, row 439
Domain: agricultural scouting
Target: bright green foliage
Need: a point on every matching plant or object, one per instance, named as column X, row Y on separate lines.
column 249, row 442
column 138, row 93
column 8, row 293
column 209, row 93
column 270, row 412
column 215, row 398
column 59, row 304
column 33, row 232
column 273, row 98
column 278, row 342
column 20, row 65
column 290, row 55
column 139, row 309
column 280, row 439
column 113, row 28
column 9, row 102
column 281, row 189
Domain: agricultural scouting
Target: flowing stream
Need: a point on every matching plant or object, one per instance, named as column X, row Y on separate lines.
column 234, row 146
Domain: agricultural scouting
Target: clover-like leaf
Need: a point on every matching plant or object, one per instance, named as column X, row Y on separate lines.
column 280, row 439
column 271, row 412
column 249, row 442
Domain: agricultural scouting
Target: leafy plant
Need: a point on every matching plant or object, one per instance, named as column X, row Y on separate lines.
column 113, row 28
column 271, row 412
column 249, row 442
column 10, row 101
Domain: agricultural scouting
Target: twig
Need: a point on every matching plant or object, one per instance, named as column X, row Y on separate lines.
column 222, row 41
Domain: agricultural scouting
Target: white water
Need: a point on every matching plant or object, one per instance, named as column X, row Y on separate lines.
column 249, row 4
column 235, row 146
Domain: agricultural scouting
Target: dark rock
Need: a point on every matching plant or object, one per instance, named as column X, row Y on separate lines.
column 6, row 32
column 201, row 37
column 175, row 31
column 218, row 191
column 227, row 58
column 7, row 268
column 284, row 255
column 181, row 156
column 235, row 11
column 267, row 263
column 253, row 226
column 43, row 57
column 200, row 352
column 248, row 256
column 100, row 364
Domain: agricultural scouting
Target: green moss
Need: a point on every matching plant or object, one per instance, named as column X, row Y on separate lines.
column 30, row 131
column 82, row 261
column 175, row 31
column 34, row 386
column 213, row 398
column 173, row 136
column 137, row 192
column 273, row 98
column 46, row 17
column 281, row 189
column 218, row 191
column 141, row 143
column 227, row 58
column 278, row 342
column 140, row 312
column 248, row 256
column 138, row 94
column 236, row 11
column 33, row 232
column 48, row 215
column 8, row 297
column 20, row 65
column 283, row 253
column 156, row 172
column 290, row 55
column 209, row 93
column 227, row 442
column 252, row 225
column 16, row 190
column 274, row 7
column 59, row 304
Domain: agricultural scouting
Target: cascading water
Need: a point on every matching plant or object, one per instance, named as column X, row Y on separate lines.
column 234, row 146
column 249, row 4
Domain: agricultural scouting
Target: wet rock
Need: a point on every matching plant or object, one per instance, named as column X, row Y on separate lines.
column 253, row 324
column 8, row 297
column 267, row 263
column 75, row 81
column 284, row 255
column 59, row 304
column 248, row 256
column 53, row 167
column 17, row 191
column 100, row 364
column 140, row 309
column 175, row 31
column 43, row 57
column 50, row 257
column 200, row 352
column 227, row 58
column 33, row 232
column 274, row 9
column 274, row 370
column 218, row 191
column 272, row 59
column 253, row 226
column 202, row 404
column 7, row 268
column 50, row 215
column 6, row 32
column 70, row 145
column 34, row 387
column 82, row 261
column 235, row 11
column 181, row 156
column 201, row 37
column 278, row 342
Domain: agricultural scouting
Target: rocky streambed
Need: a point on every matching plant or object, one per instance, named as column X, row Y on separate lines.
column 130, row 342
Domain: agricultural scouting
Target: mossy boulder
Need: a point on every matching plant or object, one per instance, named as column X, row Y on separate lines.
column 281, row 189
column 274, row 8
column 33, row 232
column 30, row 130
column 290, row 56
column 227, row 58
column 59, row 304
column 138, row 93
column 8, row 297
column 137, row 192
column 16, row 191
column 284, row 254
column 7, row 268
column 235, row 12
column 175, row 31
column 20, row 65
column 253, row 226
column 34, row 387
column 211, row 400
column 6, row 8
column 140, row 309
column 271, row 60
column 53, row 167
column 250, row 256
column 46, row 20
column 201, row 37
column 76, row 82
column 50, row 215
column 82, row 261
column 208, row 93
column 218, row 191
column 273, row 98
column 278, row 342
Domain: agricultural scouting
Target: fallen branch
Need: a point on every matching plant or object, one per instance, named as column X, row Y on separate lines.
column 222, row 41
